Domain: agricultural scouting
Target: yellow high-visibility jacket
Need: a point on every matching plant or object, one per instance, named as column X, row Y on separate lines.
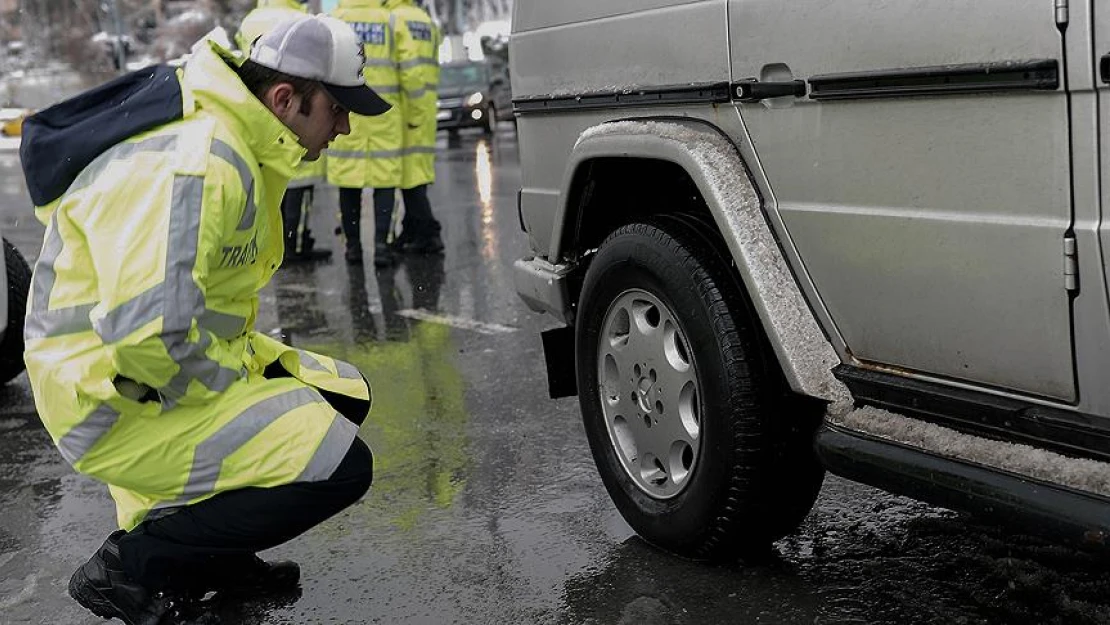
column 371, row 155
column 266, row 15
column 416, row 54
column 140, row 343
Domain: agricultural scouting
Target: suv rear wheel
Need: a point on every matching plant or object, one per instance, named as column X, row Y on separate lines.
column 686, row 417
column 19, row 285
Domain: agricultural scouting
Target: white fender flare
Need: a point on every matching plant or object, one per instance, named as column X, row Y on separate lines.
column 714, row 164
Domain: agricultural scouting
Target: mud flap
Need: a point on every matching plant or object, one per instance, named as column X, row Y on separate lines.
column 558, row 352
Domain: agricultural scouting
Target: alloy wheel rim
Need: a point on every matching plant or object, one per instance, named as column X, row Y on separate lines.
column 649, row 393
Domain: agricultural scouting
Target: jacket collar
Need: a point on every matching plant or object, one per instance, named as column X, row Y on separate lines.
column 393, row 4
column 219, row 92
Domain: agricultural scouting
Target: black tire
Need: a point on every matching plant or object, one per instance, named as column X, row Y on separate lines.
column 19, row 286
column 754, row 476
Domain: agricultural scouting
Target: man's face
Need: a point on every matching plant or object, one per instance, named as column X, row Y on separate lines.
column 316, row 121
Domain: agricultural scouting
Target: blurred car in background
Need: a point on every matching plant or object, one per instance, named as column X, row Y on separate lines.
column 11, row 121
column 473, row 94
column 15, row 286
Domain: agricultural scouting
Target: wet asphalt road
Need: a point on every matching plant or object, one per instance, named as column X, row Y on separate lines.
column 486, row 508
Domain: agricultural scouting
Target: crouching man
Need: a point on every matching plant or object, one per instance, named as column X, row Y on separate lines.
column 161, row 192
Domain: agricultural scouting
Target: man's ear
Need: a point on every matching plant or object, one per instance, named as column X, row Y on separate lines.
column 279, row 99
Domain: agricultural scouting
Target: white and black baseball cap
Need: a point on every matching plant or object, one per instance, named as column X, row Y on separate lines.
column 324, row 49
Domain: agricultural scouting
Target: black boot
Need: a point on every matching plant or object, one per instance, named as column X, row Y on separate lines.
column 309, row 251
column 384, row 256
column 353, row 255
column 102, row 587
column 425, row 245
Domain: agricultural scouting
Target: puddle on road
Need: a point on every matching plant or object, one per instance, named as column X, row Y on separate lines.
column 862, row 557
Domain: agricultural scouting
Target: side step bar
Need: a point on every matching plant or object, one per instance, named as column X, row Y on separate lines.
column 980, row 414
column 1057, row 512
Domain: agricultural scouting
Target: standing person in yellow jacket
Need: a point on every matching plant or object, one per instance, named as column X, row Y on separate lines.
column 402, row 152
column 297, row 202
column 215, row 441
column 371, row 155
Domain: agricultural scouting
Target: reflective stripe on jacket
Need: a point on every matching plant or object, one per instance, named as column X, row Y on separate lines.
column 417, row 58
column 370, row 156
column 140, row 341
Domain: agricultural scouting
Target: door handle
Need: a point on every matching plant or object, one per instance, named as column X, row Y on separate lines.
column 1104, row 68
column 751, row 90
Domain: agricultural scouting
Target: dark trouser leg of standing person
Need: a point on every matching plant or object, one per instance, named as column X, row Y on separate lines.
column 384, row 199
column 420, row 225
column 291, row 204
column 293, row 212
column 350, row 211
column 309, row 251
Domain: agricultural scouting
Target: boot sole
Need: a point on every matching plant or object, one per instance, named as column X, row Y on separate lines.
column 84, row 593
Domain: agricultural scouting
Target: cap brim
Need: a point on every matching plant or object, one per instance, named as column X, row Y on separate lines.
column 360, row 100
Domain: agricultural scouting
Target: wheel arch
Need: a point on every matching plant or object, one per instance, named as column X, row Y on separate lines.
column 689, row 166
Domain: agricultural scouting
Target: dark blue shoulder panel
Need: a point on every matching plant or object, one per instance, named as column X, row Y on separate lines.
column 60, row 141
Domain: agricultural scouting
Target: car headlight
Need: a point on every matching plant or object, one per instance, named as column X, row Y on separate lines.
column 475, row 99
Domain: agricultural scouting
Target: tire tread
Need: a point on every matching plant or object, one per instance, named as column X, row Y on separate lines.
column 753, row 509
column 19, row 284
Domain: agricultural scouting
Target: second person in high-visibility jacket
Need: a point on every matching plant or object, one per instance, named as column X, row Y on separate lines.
column 371, row 155
column 404, row 41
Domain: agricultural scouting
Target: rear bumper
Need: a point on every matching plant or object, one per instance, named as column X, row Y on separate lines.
column 1039, row 507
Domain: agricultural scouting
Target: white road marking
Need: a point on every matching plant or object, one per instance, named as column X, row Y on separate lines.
column 457, row 322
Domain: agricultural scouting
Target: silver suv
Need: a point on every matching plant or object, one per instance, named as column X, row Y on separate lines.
column 865, row 238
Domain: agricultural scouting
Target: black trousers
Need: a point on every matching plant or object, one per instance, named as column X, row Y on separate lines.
column 292, row 207
column 419, row 222
column 350, row 216
column 211, row 540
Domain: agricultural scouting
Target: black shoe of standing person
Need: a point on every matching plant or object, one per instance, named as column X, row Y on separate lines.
column 353, row 255
column 101, row 586
column 253, row 576
column 309, row 251
column 384, row 256
column 308, row 257
column 425, row 245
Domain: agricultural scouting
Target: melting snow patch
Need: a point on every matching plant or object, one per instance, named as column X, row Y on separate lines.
column 1078, row 473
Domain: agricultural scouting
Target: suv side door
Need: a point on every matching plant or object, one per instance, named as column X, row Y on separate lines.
column 924, row 183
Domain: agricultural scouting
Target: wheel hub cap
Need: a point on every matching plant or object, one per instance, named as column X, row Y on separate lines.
column 649, row 393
